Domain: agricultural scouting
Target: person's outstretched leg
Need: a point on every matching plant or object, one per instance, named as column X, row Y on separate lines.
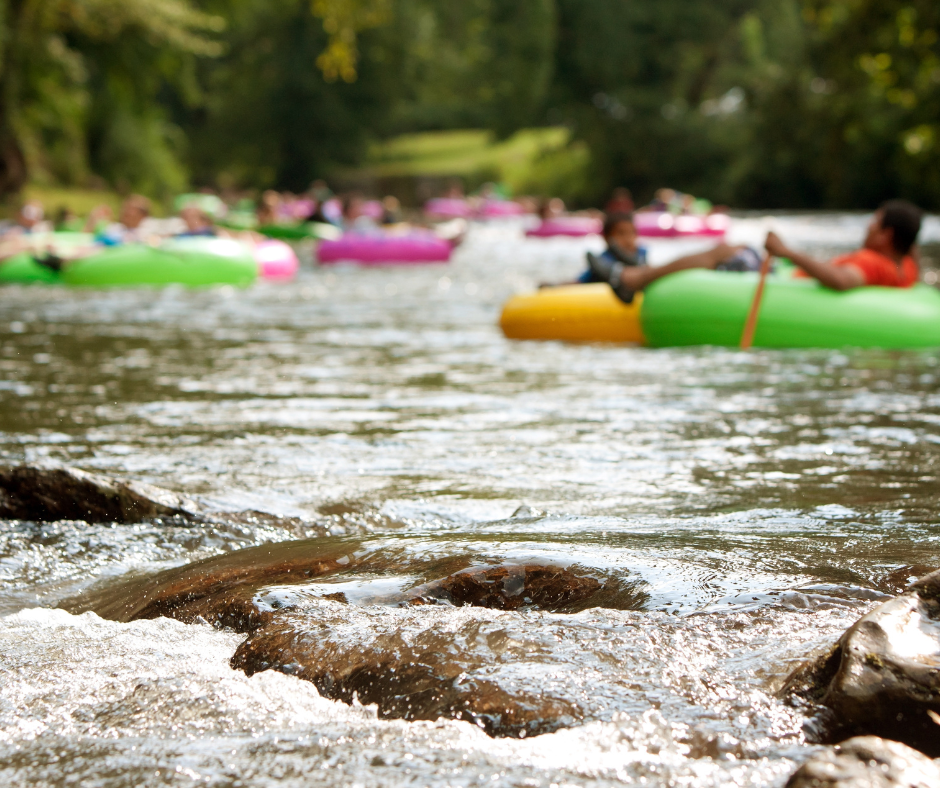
column 626, row 280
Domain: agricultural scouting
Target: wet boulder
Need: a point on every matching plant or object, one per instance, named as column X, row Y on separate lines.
column 41, row 494
column 867, row 762
column 410, row 670
column 883, row 676
column 510, row 587
column 235, row 590
column 220, row 590
column 49, row 494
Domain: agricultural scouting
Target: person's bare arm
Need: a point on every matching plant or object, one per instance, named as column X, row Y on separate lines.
column 837, row 277
column 640, row 277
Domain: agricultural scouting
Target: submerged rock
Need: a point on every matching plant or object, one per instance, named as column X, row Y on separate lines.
column 867, row 762
column 219, row 590
column 49, row 494
column 272, row 593
column 883, row 676
column 510, row 587
column 414, row 675
column 226, row 590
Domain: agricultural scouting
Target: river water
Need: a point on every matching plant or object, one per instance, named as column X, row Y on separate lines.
column 752, row 505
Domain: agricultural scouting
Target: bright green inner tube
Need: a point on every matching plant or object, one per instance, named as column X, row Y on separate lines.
column 299, row 232
column 710, row 307
column 23, row 269
column 194, row 262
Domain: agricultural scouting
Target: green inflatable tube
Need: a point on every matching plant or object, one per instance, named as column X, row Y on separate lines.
column 710, row 307
column 23, row 269
column 300, row 232
column 194, row 262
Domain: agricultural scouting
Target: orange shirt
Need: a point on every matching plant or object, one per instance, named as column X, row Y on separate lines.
column 880, row 270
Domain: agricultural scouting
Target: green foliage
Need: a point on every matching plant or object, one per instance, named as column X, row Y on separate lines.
column 795, row 103
column 273, row 119
column 881, row 63
column 60, row 58
column 757, row 103
column 647, row 85
column 270, row 117
column 482, row 63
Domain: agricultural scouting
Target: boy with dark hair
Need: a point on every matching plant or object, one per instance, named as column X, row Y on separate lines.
column 623, row 264
column 622, row 246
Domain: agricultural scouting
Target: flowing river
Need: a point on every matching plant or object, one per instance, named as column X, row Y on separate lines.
column 748, row 507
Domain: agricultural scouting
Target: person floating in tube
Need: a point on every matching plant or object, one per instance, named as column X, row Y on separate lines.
column 887, row 257
column 623, row 264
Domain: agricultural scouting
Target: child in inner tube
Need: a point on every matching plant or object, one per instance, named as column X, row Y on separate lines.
column 623, row 252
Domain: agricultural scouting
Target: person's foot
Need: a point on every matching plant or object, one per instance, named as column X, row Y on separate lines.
column 611, row 272
column 50, row 261
column 624, row 257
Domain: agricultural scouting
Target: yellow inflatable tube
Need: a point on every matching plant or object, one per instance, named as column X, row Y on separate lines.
column 573, row 313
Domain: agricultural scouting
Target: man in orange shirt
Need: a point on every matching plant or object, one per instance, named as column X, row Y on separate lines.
column 886, row 258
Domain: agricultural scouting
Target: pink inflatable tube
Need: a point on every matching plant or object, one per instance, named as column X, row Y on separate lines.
column 664, row 225
column 568, row 226
column 448, row 208
column 495, row 209
column 380, row 249
column 276, row 260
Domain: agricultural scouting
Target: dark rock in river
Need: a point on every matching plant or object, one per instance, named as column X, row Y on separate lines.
column 883, row 676
column 510, row 588
column 897, row 581
column 423, row 675
column 48, row 494
column 269, row 592
column 221, row 589
column 867, row 762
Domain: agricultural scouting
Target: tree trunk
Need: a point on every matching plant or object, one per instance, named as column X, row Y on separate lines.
column 13, row 173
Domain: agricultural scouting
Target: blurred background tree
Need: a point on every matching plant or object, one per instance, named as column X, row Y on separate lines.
column 80, row 89
column 754, row 103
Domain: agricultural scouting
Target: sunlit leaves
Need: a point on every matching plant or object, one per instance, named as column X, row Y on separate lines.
column 176, row 23
column 919, row 140
column 343, row 20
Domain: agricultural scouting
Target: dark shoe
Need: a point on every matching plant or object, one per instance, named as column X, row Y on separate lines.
column 610, row 271
column 624, row 257
column 51, row 261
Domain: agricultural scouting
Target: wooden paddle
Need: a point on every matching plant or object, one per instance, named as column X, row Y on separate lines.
column 750, row 326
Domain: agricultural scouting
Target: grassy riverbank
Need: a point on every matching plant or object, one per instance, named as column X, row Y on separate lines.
column 531, row 161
